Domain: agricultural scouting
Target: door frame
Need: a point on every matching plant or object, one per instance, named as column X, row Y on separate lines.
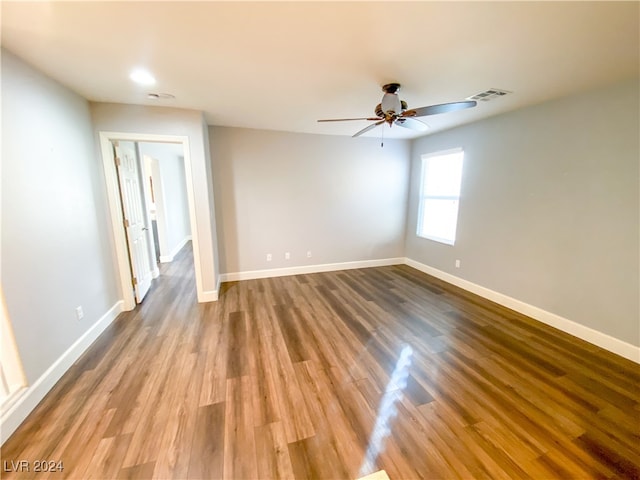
column 115, row 207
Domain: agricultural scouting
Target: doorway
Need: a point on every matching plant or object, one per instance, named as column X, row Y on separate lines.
column 122, row 248
column 165, row 197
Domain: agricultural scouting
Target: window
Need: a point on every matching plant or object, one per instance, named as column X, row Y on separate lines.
column 440, row 195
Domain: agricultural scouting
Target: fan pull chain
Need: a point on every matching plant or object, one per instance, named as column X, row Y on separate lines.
column 382, row 138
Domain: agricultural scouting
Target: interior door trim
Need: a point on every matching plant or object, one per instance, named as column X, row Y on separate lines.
column 115, row 207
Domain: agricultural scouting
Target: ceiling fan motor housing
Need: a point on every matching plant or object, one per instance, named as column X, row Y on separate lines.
column 391, row 88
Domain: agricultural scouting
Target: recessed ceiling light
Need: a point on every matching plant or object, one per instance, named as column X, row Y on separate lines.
column 142, row 77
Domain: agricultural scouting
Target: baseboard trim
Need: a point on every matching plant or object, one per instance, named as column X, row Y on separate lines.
column 218, row 285
column 169, row 258
column 614, row 345
column 304, row 269
column 208, row 296
column 31, row 396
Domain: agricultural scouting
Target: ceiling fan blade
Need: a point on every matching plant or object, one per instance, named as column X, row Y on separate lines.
column 412, row 123
column 366, row 129
column 348, row 119
column 442, row 108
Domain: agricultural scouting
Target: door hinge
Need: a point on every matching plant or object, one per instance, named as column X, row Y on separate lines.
column 118, row 162
column 116, row 143
column 134, row 280
column 126, row 223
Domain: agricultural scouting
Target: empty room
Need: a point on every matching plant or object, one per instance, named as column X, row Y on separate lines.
column 323, row 240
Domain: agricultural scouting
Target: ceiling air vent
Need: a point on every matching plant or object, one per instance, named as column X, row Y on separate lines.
column 160, row 96
column 488, row 95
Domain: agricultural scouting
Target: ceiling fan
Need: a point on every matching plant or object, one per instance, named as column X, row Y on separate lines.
column 392, row 110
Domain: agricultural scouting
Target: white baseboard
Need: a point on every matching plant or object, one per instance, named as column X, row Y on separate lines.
column 590, row 335
column 33, row 394
column 300, row 270
column 208, row 296
column 218, row 285
column 169, row 258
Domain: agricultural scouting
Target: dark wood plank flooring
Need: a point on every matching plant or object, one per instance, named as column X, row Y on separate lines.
column 334, row 375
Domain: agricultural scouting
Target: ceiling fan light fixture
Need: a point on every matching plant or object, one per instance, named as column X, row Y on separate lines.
column 391, row 103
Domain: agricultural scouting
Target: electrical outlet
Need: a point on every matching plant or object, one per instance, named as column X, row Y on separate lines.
column 308, row 253
column 287, row 256
column 79, row 313
column 457, row 263
column 269, row 257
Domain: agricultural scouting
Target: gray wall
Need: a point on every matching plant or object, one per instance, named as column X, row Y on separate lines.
column 549, row 208
column 55, row 249
column 170, row 194
column 344, row 199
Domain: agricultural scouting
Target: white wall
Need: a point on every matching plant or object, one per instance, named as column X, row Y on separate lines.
column 170, row 189
column 549, row 209
column 130, row 119
column 343, row 199
column 55, row 248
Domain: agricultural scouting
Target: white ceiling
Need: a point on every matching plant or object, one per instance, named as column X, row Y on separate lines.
column 283, row 65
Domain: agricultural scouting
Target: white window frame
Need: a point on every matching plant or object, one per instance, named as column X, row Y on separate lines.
column 421, row 199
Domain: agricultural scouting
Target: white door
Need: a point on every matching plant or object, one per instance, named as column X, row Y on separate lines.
column 136, row 230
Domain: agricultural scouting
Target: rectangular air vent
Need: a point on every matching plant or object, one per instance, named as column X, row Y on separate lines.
column 488, row 95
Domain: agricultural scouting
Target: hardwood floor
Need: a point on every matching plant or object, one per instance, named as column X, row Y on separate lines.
column 334, row 375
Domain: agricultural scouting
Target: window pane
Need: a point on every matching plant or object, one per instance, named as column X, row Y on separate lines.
column 442, row 175
column 439, row 219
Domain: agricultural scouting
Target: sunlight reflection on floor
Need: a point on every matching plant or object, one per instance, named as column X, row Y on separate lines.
column 387, row 411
